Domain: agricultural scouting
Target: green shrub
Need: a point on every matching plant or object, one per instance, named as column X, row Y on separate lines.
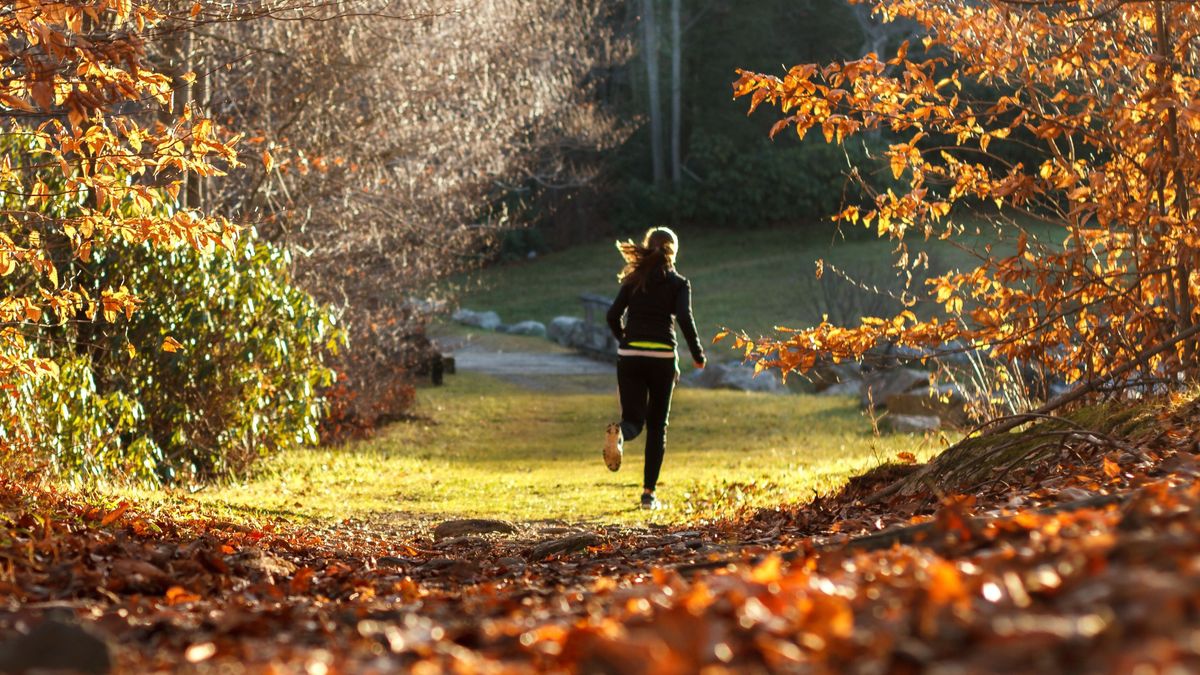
column 784, row 181
column 65, row 424
column 242, row 382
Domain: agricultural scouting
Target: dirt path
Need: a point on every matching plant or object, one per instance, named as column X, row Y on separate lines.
column 533, row 363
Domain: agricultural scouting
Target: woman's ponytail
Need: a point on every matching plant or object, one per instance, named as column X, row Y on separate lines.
column 656, row 252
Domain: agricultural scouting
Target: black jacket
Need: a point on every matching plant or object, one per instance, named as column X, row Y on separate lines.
column 653, row 310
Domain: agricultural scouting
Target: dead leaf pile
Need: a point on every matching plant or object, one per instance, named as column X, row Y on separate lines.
column 1088, row 563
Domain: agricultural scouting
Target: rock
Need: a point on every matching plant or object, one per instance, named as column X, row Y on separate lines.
column 829, row 374
column 55, row 646
column 946, row 402
column 459, row 528
column 263, row 563
column 590, row 337
column 910, row 424
column 561, row 327
column 849, row 388
column 392, row 561
column 568, row 545
column 736, row 376
column 489, row 321
column 484, row 320
column 510, row 564
column 878, row 385
column 138, row 576
column 451, row 567
column 532, row 328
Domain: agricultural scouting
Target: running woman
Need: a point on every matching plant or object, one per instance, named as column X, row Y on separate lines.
column 652, row 297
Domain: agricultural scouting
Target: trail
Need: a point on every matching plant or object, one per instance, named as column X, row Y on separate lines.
column 537, row 365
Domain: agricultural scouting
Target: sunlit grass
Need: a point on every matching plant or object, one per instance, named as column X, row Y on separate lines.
column 497, row 450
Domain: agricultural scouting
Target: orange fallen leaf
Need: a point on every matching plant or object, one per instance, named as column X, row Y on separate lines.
column 114, row 514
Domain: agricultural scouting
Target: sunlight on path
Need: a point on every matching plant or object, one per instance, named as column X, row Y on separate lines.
column 520, row 450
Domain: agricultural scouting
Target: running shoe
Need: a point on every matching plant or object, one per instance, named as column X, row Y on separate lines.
column 614, row 445
column 650, row 502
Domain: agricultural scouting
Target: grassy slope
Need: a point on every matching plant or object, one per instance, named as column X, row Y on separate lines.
column 502, row 451
column 493, row 449
column 749, row 281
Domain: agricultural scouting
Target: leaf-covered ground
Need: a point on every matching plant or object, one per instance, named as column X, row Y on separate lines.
column 1085, row 561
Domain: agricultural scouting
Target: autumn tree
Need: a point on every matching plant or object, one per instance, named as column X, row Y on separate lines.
column 141, row 336
column 1077, row 122
column 82, row 171
column 385, row 138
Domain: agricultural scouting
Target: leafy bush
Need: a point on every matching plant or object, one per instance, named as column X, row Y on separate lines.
column 221, row 365
column 243, row 379
column 804, row 179
column 67, row 425
column 800, row 181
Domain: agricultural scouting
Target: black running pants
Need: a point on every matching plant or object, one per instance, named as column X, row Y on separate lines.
column 646, row 384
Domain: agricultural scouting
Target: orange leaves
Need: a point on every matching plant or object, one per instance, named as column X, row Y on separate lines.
column 946, row 585
column 1104, row 120
column 114, row 515
column 114, row 303
column 88, row 184
column 178, row 595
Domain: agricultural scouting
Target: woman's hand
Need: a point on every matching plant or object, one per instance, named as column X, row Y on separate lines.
column 699, row 365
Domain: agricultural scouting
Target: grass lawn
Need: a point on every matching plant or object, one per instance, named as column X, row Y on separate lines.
column 487, row 447
column 748, row 281
column 494, row 449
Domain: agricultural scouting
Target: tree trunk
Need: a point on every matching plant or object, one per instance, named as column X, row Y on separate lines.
column 676, row 96
column 1185, row 258
column 650, row 51
column 182, row 97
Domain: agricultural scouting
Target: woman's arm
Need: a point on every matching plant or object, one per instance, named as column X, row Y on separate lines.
column 687, row 324
column 616, row 311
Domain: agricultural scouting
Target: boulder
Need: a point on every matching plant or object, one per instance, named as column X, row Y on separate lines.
column 946, row 402
column 878, row 385
column 829, row 374
column 484, row 320
column 736, row 376
column 561, row 328
column 533, row 328
column 909, row 424
column 848, row 388
column 590, row 337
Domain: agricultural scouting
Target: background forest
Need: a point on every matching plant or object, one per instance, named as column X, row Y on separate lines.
column 372, row 149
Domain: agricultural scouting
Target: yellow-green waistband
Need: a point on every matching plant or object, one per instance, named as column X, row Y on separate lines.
column 651, row 345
